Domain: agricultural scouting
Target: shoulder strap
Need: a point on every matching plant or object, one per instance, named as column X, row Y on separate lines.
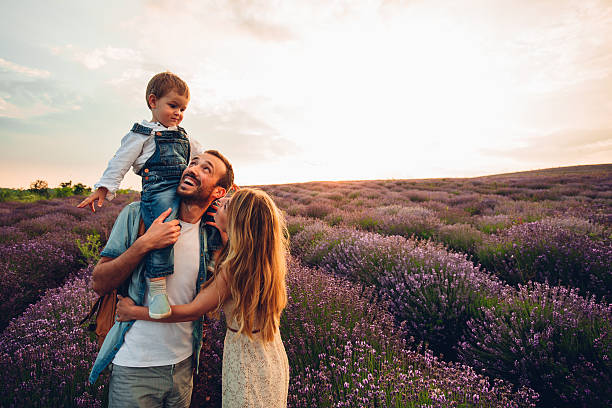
column 94, row 309
column 141, row 228
column 143, row 130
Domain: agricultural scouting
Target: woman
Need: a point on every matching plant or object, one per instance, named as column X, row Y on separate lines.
column 249, row 284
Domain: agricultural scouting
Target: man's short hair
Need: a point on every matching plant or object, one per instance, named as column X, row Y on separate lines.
column 227, row 180
column 165, row 82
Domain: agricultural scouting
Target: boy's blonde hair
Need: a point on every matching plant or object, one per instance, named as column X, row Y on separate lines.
column 165, row 82
column 256, row 261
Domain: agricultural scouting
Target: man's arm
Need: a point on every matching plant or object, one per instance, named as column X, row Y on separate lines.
column 109, row 273
column 207, row 300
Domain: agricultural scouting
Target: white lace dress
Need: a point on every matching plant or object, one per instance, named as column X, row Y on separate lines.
column 255, row 374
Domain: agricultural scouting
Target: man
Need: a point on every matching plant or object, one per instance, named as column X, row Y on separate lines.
column 152, row 362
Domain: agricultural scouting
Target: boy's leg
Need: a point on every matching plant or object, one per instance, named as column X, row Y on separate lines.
column 156, row 198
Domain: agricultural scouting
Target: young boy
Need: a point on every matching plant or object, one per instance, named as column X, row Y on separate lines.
column 158, row 150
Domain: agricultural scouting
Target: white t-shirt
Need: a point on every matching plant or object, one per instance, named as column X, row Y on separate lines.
column 150, row 344
column 134, row 152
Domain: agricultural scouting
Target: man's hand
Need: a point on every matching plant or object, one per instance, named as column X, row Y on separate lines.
column 98, row 195
column 109, row 273
column 124, row 309
column 161, row 234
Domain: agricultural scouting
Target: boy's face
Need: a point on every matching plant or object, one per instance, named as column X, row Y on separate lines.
column 168, row 110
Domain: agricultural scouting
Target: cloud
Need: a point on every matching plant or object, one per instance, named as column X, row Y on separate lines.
column 567, row 146
column 26, row 98
column 97, row 58
column 8, row 66
column 241, row 136
column 130, row 75
column 261, row 20
column 548, row 45
column 266, row 31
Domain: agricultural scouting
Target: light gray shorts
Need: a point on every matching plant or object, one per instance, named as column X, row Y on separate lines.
column 162, row 386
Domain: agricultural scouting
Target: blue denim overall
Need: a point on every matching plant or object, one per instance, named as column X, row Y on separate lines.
column 161, row 175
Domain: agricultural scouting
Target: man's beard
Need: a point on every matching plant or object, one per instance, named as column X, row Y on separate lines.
column 198, row 196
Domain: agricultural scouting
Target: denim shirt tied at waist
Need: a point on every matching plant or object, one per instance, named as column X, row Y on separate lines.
column 123, row 235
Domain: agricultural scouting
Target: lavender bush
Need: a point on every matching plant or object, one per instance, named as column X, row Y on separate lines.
column 578, row 225
column 491, row 224
column 27, row 270
column 550, row 339
column 207, row 384
column 345, row 347
column 444, row 299
column 317, row 210
column 29, row 267
column 397, row 220
column 45, row 357
column 460, row 237
column 12, row 235
column 345, row 351
column 51, row 222
column 548, row 252
column 434, row 292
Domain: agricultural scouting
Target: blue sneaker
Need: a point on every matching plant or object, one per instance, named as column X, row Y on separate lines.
column 159, row 307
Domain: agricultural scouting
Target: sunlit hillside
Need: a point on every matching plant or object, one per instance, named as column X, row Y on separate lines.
column 491, row 291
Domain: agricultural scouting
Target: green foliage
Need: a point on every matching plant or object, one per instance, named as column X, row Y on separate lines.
column 39, row 190
column 39, row 186
column 460, row 237
column 63, row 192
column 550, row 339
column 90, row 249
column 334, row 219
column 24, row 196
column 81, row 189
column 294, row 229
column 367, row 223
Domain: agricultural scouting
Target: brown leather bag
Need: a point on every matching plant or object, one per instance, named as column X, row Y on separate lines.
column 105, row 309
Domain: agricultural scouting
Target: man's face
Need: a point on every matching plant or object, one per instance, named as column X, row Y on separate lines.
column 199, row 179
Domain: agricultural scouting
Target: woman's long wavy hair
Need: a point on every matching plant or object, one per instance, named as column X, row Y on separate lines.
column 256, row 261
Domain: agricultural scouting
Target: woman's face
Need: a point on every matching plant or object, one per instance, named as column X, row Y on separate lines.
column 221, row 214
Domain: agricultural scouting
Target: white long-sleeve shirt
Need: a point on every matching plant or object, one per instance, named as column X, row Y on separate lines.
column 134, row 152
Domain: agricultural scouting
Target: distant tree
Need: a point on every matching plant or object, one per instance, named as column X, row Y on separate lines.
column 40, row 187
column 64, row 190
column 80, row 189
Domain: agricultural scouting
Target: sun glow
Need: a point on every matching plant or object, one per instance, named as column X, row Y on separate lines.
column 298, row 91
column 387, row 92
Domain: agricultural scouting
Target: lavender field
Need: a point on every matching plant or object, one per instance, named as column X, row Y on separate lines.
column 483, row 292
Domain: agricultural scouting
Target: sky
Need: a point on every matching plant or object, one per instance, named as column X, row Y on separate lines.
column 294, row 91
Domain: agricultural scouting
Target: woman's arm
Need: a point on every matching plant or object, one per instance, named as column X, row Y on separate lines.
column 206, row 301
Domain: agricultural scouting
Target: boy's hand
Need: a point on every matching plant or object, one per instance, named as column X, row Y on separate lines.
column 161, row 234
column 99, row 195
